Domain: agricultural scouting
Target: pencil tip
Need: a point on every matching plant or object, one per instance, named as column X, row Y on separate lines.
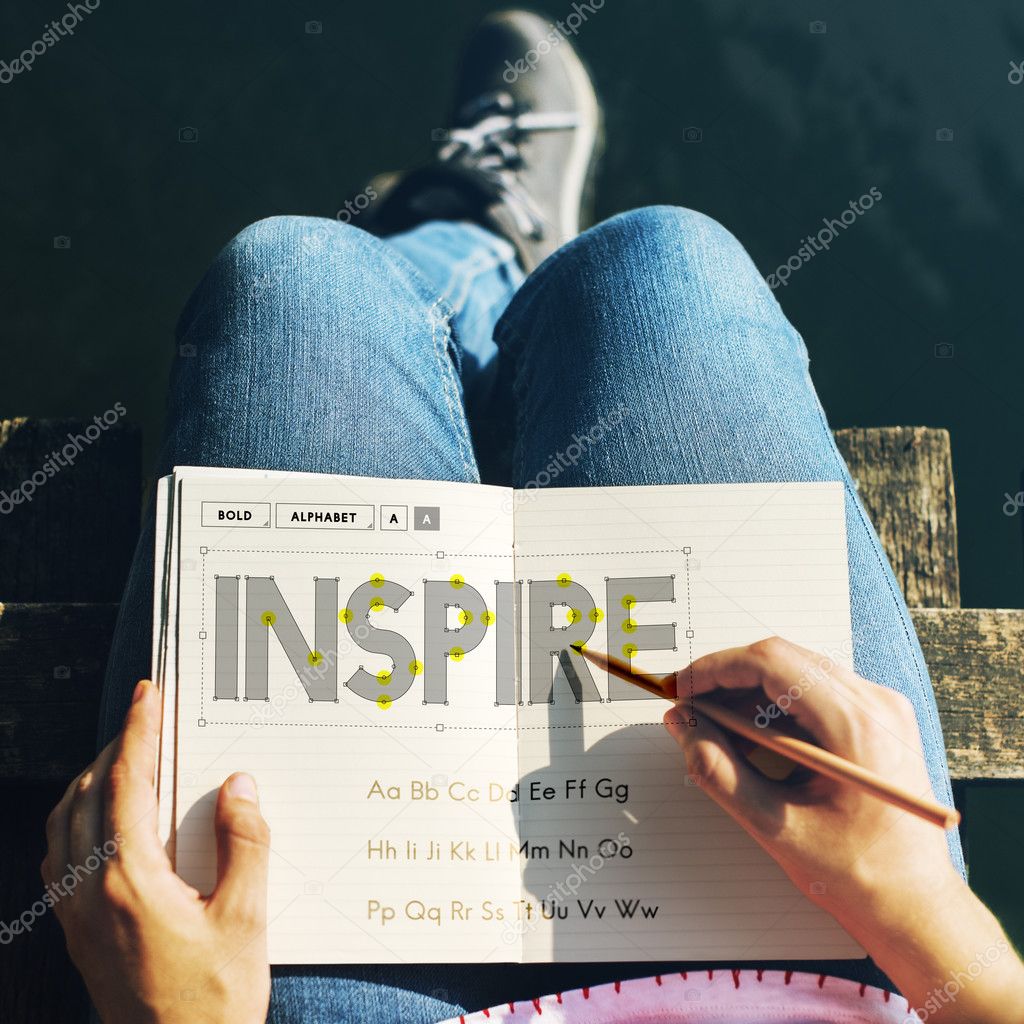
column 577, row 647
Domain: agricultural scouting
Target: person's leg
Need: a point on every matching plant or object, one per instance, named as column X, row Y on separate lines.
column 476, row 273
column 313, row 346
column 663, row 311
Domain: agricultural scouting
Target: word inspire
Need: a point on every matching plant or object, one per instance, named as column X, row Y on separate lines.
column 455, row 621
column 52, row 35
column 56, row 891
column 62, row 459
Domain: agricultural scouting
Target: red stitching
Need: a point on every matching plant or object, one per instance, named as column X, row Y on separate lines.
column 558, row 996
column 657, row 978
column 821, row 981
column 536, row 1006
column 760, row 974
column 586, row 993
column 512, row 1007
column 683, row 973
column 863, row 986
column 711, row 975
column 736, row 977
column 487, row 1014
column 789, row 977
column 888, row 995
column 618, row 987
column 462, row 1019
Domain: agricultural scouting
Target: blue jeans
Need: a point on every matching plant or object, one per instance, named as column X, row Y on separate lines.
column 311, row 345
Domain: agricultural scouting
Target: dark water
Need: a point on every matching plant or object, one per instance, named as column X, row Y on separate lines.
column 912, row 317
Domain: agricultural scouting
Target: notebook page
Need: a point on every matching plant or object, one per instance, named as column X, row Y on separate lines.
column 394, row 836
column 165, row 637
column 626, row 858
column 165, row 599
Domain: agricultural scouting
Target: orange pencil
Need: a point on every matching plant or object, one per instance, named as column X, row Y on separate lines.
column 798, row 750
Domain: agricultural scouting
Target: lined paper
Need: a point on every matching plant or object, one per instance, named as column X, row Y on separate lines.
column 511, row 822
column 342, row 859
column 743, row 562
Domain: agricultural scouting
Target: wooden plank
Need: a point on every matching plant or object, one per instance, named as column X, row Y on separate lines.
column 904, row 476
column 70, row 497
column 52, row 659
column 976, row 659
column 48, row 720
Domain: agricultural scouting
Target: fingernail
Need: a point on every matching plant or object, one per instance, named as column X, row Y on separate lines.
column 140, row 690
column 243, row 786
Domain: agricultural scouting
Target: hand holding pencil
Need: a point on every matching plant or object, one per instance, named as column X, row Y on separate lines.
column 839, row 843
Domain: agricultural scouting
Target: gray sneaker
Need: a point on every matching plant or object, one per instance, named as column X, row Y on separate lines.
column 521, row 155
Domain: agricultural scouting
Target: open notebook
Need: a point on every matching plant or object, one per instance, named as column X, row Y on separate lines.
column 383, row 657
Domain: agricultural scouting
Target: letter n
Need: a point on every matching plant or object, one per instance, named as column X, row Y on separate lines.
column 266, row 610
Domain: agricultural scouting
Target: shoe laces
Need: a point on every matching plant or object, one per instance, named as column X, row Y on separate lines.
column 489, row 148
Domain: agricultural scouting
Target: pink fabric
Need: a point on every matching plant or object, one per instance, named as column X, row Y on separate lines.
column 703, row 997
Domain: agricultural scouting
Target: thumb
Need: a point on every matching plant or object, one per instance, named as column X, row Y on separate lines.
column 721, row 770
column 243, row 852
